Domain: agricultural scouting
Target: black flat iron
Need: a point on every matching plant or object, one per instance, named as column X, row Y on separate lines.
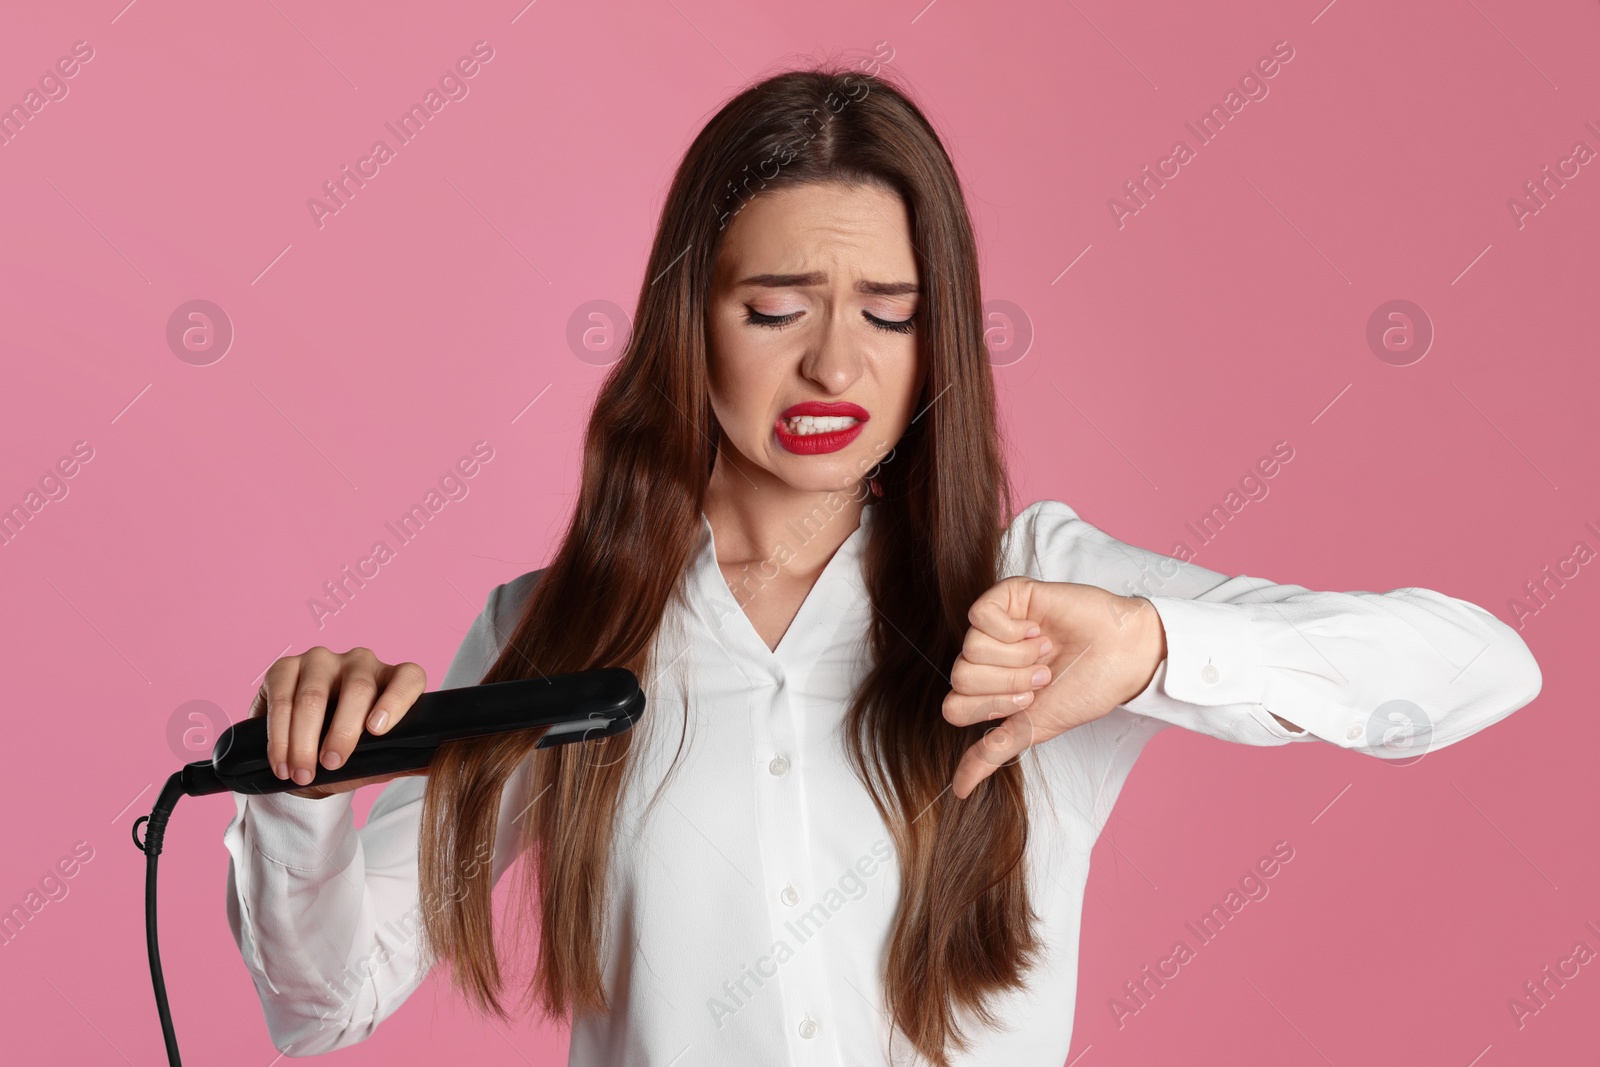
column 569, row 708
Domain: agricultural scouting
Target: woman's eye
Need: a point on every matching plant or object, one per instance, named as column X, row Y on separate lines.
column 777, row 322
column 893, row 326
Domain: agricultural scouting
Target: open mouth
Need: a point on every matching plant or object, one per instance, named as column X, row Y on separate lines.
column 813, row 428
column 804, row 425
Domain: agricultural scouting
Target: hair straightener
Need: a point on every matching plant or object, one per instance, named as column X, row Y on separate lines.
column 568, row 708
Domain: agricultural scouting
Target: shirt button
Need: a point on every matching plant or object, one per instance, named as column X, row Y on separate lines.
column 779, row 766
column 1354, row 732
column 1209, row 674
column 808, row 1027
column 791, row 896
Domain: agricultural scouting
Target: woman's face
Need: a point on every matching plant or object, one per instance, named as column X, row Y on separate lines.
column 814, row 363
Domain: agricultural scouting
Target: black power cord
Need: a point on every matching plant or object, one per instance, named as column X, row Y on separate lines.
column 154, row 831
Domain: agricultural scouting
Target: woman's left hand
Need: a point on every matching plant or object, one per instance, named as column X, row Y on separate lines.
column 1043, row 657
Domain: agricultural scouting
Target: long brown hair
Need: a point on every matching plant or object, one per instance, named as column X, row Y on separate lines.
column 964, row 930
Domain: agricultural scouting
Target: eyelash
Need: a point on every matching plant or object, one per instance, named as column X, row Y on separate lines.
column 778, row 322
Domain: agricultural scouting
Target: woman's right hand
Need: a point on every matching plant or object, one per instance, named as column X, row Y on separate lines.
column 294, row 697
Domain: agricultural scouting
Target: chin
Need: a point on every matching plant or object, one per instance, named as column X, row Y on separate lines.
column 840, row 472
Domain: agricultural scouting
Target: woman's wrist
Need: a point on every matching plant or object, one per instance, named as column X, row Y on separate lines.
column 1148, row 643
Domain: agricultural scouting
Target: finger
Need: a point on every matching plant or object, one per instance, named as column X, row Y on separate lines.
column 279, row 685
column 966, row 710
column 994, row 750
column 319, row 672
column 358, row 686
column 1002, row 611
column 980, row 679
column 980, row 647
column 405, row 683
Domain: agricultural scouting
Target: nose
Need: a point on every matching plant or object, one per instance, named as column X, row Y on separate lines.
column 832, row 359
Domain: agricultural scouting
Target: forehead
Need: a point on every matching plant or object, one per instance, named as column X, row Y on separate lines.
column 856, row 230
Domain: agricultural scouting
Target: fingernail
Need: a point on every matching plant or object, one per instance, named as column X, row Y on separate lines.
column 331, row 760
column 302, row 777
column 1041, row 676
column 1033, row 631
column 376, row 720
column 1022, row 699
column 282, row 770
column 1045, row 646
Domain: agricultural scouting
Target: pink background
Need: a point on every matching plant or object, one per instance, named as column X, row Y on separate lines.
column 1226, row 315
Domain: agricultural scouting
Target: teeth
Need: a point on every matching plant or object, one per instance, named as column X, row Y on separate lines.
column 809, row 424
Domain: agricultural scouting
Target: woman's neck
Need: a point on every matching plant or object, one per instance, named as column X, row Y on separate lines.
column 752, row 514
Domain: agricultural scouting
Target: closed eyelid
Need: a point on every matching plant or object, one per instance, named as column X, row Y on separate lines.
column 778, row 322
column 879, row 313
column 876, row 305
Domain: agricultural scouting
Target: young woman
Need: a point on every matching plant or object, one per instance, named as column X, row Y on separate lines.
column 885, row 725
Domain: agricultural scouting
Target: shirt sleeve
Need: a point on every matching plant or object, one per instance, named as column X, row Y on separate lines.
column 326, row 916
column 1393, row 675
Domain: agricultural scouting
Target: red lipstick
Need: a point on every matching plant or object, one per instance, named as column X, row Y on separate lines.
column 813, row 444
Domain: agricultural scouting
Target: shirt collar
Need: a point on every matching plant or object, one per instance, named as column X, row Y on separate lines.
column 814, row 625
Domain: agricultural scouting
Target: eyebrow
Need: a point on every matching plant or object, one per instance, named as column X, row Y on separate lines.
column 797, row 281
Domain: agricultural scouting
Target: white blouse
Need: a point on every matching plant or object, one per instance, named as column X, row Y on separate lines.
column 750, row 907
